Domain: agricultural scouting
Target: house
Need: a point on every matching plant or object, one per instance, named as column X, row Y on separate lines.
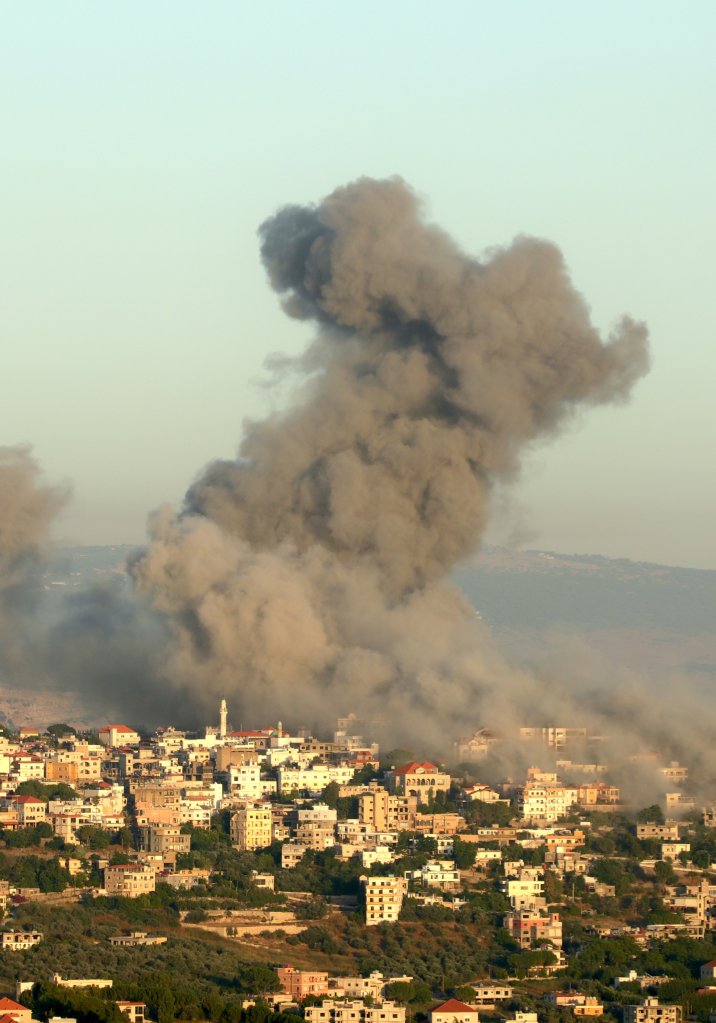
column 118, row 735
column 422, row 780
column 454, row 1011
column 18, row 1012
column 708, row 970
column 29, row 809
column 19, row 941
column 136, row 1011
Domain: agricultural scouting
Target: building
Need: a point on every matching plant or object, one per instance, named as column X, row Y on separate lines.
column 454, row 1011
column 545, row 802
column 383, row 812
column 487, row 995
column 291, row 855
column 667, row 832
column 30, row 810
column 530, row 928
column 651, row 1011
column 128, row 880
column 118, row 735
column 251, row 827
column 708, row 970
column 383, row 899
column 19, row 941
column 316, row 827
column 18, row 1012
column 581, row 1005
column 332, row 1011
column 163, row 838
column 135, row 938
column 422, row 780
column 299, row 984
column 442, row 874
column 137, row 1011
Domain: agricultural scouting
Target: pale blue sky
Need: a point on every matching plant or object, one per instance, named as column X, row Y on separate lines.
column 143, row 143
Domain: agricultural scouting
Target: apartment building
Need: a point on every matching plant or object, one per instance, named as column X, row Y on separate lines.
column 529, row 928
column 540, row 802
column 251, row 827
column 385, row 812
column 316, row 827
column 383, row 898
column 129, row 880
column 163, row 838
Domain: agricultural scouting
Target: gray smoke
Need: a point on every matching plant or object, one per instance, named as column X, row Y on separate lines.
column 28, row 508
column 307, row 578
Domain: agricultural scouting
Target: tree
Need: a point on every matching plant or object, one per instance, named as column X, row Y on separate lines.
column 58, row 730
column 651, row 815
column 464, row 853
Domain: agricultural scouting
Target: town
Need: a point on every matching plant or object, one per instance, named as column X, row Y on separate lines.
column 259, row 875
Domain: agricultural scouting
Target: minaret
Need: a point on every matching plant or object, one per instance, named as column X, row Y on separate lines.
column 222, row 720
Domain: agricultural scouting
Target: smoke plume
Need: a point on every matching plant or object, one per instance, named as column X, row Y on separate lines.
column 28, row 508
column 308, row 576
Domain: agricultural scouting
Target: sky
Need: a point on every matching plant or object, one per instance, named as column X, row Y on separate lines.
column 143, row 144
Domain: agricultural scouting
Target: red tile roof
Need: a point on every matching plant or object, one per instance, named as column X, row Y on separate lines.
column 453, row 1005
column 6, row 1004
column 416, row 765
column 116, row 728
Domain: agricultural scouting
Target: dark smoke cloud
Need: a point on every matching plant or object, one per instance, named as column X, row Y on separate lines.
column 306, row 578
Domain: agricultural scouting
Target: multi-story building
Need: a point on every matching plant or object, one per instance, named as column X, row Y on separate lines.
column 488, row 995
column 693, row 902
column 651, row 1011
column 313, row 778
column 299, row 984
column 442, row 874
column 251, row 827
column 540, row 802
column 422, row 780
column 30, row 810
column 555, row 737
column 19, row 941
column 383, row 812
column 525, row 889
column 129, row 880
column 316, row 827
column 118, row 735
column 163, row 838
column 354, row 1011
column 529, row 928
column 383, row 898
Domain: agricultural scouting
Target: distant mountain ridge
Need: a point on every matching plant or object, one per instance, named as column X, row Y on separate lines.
column 544, row 590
